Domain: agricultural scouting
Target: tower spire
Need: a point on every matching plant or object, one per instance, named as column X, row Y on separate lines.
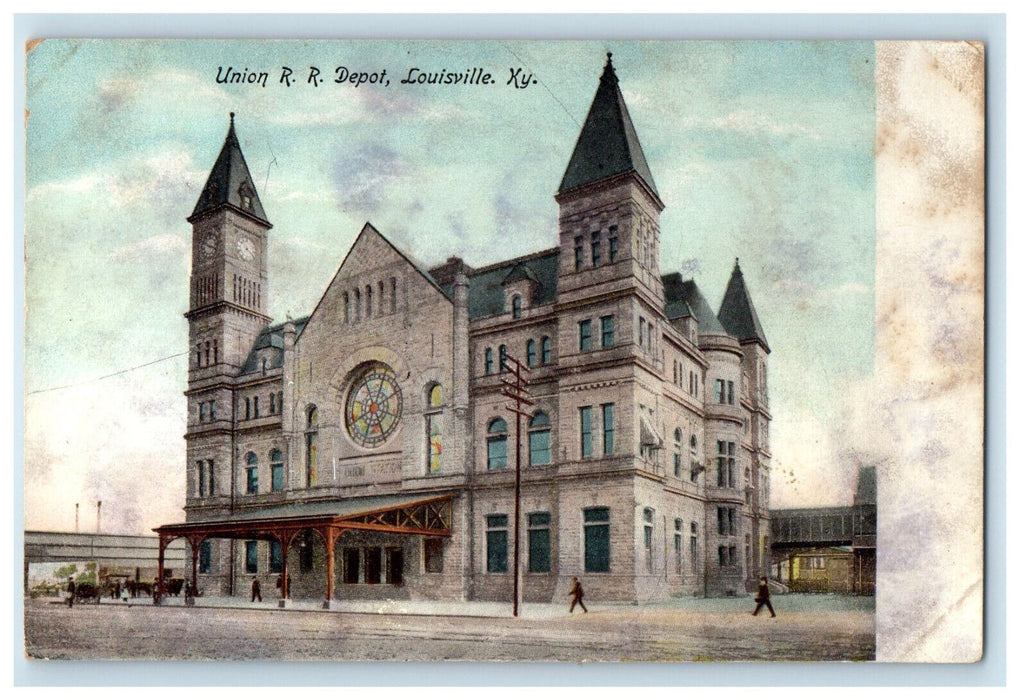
column 608, row 144
column 738, row 314
column 229, row 183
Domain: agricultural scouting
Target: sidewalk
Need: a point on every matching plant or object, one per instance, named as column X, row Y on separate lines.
column 457, row 608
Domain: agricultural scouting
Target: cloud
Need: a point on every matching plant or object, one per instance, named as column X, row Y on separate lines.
column 363, row 175
column 152, row 247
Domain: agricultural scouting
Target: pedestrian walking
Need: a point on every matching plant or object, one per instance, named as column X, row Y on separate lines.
column 763, row 598
column 579, row 594
column 71, row 592
column 255, row 591
column 124, row 594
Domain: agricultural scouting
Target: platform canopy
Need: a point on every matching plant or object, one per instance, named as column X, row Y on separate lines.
column 395, row 513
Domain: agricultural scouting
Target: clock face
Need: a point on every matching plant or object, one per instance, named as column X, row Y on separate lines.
column 246, row 248
column 210, row 245
column 374, row 405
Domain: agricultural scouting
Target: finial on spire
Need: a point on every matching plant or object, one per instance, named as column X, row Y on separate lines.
column 231, row 118
column 609, row 56
column 736, row 262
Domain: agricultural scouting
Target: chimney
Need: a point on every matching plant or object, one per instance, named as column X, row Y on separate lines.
column 98, row 503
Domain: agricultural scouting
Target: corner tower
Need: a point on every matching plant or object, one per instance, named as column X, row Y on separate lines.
column 227, row 310
column 609, row 205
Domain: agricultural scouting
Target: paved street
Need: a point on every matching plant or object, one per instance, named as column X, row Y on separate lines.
column 806, row 628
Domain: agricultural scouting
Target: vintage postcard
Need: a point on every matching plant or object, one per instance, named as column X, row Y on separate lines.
column 504, row 350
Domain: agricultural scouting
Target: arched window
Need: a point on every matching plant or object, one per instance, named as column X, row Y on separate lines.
column 546, row 350
column 677, row 452
column 693, row 452
column 381, row 298
column 356, row 304
column 539, row 439
column 277, row 471
column 251, row 473
column 502, row 358
column 488, row 360
column 345, row 307
column 311, row 455
column 529, row 353
column 433, row 428
column 515, row 306
column 496, row 444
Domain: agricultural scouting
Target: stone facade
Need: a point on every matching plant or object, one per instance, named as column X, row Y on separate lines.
column 644, row 456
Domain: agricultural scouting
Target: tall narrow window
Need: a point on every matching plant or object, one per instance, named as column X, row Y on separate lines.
column 392, row 296
column 641, row 332
column 203, row 411
column 606, row 323
column 693, row 548
column 496, row 542
column 585, row 335
column 488, row 361
column 597, row 539
column 725, row 463
column 201, row 478
column 251, row 473
column 579, row 254
column 515, row 306
column 247, row 413
column 586, row 431
column 433, row 555
column 502, row 358
column 311, row 440
column 381, row 298
column 677, row 452
column 345, row 307
column 647, row 538
column 274, row 564
column 613, row 243
column 205, row 557
column 693, row 455
column 538, row 439
column 530, row 353
column 433, row 429
column 538, row 543
column 369, row 296
column 256, row 407
column 356, row 304
column 608, row 429
column 307, row 551
column 731, row 393
column 596, row 252
column 277, row 471
column 546, row 350
column 210, row 477
column 496, row 444
column 719, row 391
column 271, row 401
column 251, row 556
column 677, row 545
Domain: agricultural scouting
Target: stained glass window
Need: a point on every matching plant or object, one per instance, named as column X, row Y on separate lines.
column 374, row 405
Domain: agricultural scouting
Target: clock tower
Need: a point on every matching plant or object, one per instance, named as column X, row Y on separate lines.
column 228, row 294
column 228, row 288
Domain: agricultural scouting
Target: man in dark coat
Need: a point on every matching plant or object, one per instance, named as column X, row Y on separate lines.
column 579, row 593
column 255, row 591
column 71, row 591
column 763, row 598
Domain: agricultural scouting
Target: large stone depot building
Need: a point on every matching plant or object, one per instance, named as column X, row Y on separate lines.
column 376, row 428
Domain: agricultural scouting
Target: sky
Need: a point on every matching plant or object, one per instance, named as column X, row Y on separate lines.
column 760, row 150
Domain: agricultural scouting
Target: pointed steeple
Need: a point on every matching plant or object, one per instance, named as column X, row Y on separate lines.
column 229, row 183
column 608, row 144
column 737, row 313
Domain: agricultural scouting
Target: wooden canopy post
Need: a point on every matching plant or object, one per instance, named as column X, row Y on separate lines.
column 195, row 542
column 329, row 535
column 158, row 594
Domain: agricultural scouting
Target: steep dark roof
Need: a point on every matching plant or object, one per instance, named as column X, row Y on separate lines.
column 737, row 313
column 485, row 290
column 229, row 179
column 270, row 337
column 608, row 144
column 683, row 298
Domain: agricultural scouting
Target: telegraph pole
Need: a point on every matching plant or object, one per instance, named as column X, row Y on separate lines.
column 515, row 387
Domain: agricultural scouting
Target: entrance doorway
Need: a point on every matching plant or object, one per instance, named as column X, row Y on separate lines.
column 394, row 573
